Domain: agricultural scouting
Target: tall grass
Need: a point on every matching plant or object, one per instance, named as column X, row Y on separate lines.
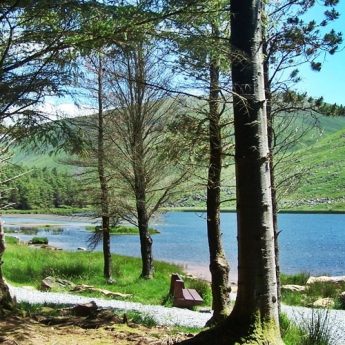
column 296, row 279
column 313, row 292
column 316, row 330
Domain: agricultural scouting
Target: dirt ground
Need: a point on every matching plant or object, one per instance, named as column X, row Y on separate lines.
column 18, row 330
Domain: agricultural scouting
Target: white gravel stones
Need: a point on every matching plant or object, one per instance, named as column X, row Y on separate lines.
column 161, row 315
column 176, row 316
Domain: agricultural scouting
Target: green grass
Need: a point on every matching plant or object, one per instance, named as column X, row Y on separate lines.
column 291, row 334
column 39, row 240
column 316, row 331
column 11, row 240
column 312, row 293
column 323, row 188
column 123, row 230
column 295, row 279
column 321, row 150
column 28, row 266
column 63, row 211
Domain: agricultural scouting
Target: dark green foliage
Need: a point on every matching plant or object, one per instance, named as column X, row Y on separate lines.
column 40, row 188
column 11, row 240
column 126, row 230
column 296, row 279
column 39, row 240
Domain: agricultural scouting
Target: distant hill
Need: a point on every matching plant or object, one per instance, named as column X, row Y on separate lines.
column 324, row 185
column 321, row 151
column 39, row 160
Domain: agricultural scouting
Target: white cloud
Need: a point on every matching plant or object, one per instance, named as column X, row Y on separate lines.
column 66, row 109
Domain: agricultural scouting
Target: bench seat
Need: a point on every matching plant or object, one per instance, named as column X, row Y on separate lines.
column 182, row 297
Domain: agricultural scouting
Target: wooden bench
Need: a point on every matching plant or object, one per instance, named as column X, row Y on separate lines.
column 182, row 297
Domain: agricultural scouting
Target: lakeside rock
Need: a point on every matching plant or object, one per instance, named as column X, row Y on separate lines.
column 293, row 288
column 324, row 303
column 326, row 279
column 50, row 283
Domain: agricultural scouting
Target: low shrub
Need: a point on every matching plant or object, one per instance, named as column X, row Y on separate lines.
column 295, row 279
column 39, row 240
column 11, row 240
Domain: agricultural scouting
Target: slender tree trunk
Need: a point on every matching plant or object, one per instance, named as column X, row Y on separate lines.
column 254, row 319
column 103, row 180
column 219, row 266
column 6, row 302
column 145, row 237
column 140, row 197
column 270, row 133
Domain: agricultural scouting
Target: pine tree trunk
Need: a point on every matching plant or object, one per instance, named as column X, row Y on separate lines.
column 103, row 180
column 140, row 196
column 254, row 319
column 6, row 301
column 219, row 266
column 145, row 238
column 107, row 271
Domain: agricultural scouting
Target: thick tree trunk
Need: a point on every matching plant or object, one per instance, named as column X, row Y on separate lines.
column 103, row 180
column 219, row 266
column 254, row 319
column 6, row 301
column 257, row 301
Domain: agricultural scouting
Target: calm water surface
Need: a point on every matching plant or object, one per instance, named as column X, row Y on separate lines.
column 312, row 243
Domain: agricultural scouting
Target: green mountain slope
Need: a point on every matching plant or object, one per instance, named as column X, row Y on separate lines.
column 323, row 187
column 31, row 159
column 321, row 152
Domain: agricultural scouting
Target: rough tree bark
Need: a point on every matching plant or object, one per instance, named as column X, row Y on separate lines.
column 145, row 237
column 103, row 179
column 6, row 301
column 254, row 319
column 270, row 134
column 219, row 266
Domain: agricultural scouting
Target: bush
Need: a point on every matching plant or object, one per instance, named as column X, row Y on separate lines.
column 39, row 240
column 11, row 240
column 295, row 279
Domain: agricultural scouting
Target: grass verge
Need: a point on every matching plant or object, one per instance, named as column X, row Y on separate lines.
column 313, row 292
column 28, row 266
column 122, row 230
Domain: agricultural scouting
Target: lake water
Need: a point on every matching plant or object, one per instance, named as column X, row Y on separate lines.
column 312, row 243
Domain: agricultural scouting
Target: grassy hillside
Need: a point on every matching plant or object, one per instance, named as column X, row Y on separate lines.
column 324, row 184
column 321, row 151
column 39, row 160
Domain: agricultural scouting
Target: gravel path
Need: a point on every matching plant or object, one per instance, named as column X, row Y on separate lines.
column 182, row 317
column 161, row 315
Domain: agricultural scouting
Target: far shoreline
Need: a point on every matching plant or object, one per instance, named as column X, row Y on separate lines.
column 86, row 213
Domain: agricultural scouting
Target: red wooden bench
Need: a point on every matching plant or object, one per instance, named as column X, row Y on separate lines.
column 182, row 297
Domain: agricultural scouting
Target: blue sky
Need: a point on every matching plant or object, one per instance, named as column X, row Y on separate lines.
column 330, row 81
